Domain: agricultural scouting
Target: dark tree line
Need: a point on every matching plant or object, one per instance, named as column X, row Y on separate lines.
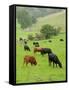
column 24, row 18
column 46, row 32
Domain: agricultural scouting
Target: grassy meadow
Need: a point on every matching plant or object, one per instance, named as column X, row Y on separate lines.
column 42, row 72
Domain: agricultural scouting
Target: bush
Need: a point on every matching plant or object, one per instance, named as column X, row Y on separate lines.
column 39, row 36
column 30, row 37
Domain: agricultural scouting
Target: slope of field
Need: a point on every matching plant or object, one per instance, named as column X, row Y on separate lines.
column 57, row 20
column 42, row 72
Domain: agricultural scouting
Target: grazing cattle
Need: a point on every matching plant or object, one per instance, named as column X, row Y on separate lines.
column 25, row 41
column 46, row 51
column 26, row 48
column 50, row 41
column 42, row 50
column 30, row 59
column 33, row 43
column 20, row 39
column 61, row 40
column 37, row 49
column 53, row 58
column 36, row 44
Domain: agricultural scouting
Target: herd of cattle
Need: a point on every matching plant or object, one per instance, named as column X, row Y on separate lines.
column 52, row 58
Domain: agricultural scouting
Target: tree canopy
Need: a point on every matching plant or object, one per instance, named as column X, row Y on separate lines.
column 48, row 31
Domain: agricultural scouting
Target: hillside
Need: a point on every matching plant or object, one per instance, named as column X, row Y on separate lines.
column 57, row 19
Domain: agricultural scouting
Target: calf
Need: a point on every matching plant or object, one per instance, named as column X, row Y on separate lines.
column 30, row 59
column 53, row 58
column 26, row 48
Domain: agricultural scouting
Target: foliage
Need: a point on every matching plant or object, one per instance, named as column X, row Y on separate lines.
column 39, row 36
column 30, row 37
column 24, row 18
column 48, row 31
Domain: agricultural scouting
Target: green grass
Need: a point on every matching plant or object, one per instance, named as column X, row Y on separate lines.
column 41, row 72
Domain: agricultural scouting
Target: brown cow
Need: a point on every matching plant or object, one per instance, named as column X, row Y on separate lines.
column 37, row 49
column 30, row 59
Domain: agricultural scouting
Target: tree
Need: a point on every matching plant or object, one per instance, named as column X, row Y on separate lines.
column 48, row 31
column 24, row 18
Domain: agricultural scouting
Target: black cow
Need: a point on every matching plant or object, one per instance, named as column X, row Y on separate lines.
column 26, row 48
column 25, row 41
column 36, row 44
column 50, row 41
column 20, row 39
column 61, row 40
column 53, row 58
column 46, row 51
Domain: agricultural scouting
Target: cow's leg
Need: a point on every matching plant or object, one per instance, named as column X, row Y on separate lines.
column 49, row 62
column 26, row 63
column 34, row 51
column 53, row 64
column 23, row 63
column 42, row 53
column 56, row 65
column 31, row 64
column 29, row 49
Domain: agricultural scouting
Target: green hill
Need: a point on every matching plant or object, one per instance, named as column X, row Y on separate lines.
column 57, row 20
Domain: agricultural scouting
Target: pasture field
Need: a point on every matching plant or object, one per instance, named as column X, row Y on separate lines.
column 42, row 72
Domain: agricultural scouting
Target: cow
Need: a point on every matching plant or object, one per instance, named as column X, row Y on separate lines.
column 20, row 39
column 26, row 48
column 37, row 49
column 36, row 44
column 46, row 51
column 42, row 50
column 61, row 40
column 25, row 41
column 30, row 59
column 53, row 58
column 50, row 41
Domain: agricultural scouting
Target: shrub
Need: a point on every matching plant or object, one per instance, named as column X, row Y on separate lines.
column 30, row 37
